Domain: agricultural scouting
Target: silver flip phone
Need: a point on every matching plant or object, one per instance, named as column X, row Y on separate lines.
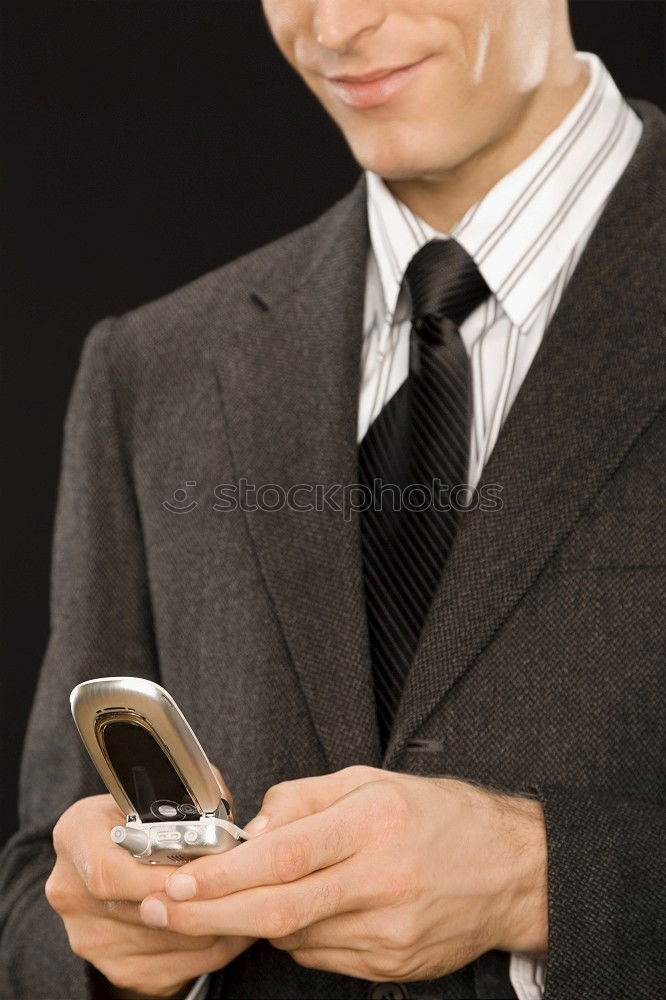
column 156, row 769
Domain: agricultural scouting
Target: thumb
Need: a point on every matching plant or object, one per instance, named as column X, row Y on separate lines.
column 283, row 803
column 293, row 800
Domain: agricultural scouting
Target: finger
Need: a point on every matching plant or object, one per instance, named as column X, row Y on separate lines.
column 82, row 904
column 292, row 800
column 68, row 894
column 347, row 931
column 265, row 912
column 158, row 974
column 283, row 855
column 343, row 961
column 104, row 932
column 288, row 801
column 113, row 874
column 84, row 910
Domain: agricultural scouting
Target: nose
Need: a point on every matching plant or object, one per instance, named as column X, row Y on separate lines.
column 338, row 24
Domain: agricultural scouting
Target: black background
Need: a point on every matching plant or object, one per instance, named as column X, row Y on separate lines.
column 145, row 143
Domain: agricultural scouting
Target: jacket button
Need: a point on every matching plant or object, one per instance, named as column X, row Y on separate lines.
column 388, row 991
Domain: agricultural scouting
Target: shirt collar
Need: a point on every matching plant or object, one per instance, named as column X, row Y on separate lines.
column 522, row 231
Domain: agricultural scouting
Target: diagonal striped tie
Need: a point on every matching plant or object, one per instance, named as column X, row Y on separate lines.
column 419, row 440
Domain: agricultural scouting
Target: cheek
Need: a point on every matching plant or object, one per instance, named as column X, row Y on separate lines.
column 519, row 36
column 287, row 20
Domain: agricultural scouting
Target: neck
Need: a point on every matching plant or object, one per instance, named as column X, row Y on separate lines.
column 442, row 198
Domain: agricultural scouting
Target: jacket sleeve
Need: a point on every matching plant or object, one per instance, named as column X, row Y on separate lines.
column 100, row 624
column 606, row 889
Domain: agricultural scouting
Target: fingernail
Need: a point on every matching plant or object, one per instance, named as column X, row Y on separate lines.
column 257, row 824
column 153, row 912
column 181, row 887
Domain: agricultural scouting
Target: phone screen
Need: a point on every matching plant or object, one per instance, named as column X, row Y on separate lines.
column 148, row 777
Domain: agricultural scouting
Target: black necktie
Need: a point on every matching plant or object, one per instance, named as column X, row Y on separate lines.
column 420, row 440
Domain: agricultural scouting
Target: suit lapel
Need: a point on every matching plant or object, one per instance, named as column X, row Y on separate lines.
column 595, row 384
column 290, row 393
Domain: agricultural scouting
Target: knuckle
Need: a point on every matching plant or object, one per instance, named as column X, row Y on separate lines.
column 79, row 942
column 123, row 975
column 53, row 890
column 402, row 887
column 396, row 939
column 161, row 985
column 326, row 899
column 390, row 805
column 280, row 922
column 289, row 859
column 218, row 955
column 98, row 878
column 350, row 770
column 284, row 795
column 334, row 837
column 387, row 932
column 396, row 968
column 367, row 968
column 137, row 974
column 66, row 827
column 391, row 966
column 279, row 792
column 185, row 942
column 59, row 834
column 88, row 938
column 306, row 958
column 150, row 978
column 409, row 931
column 359, row 772
column 206, row 943
column 56, row 836
column 58, row 891
column 288, row 943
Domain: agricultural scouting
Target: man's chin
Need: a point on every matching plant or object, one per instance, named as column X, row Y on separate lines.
column 407, row 168
column 400, row 160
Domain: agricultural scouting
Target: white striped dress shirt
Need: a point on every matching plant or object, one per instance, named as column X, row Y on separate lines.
column 526, row 236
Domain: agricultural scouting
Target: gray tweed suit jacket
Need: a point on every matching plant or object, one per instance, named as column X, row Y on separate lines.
column 541, row 663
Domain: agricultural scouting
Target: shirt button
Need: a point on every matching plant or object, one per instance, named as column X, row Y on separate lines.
column 388, row 991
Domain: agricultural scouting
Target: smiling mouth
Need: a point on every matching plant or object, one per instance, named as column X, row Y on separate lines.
column 377, row 87
column 370, row 76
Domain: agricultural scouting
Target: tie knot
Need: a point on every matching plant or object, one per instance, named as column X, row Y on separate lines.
column 444, row 281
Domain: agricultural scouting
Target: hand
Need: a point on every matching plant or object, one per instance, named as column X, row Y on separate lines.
column 374, row 874
column 96, row 887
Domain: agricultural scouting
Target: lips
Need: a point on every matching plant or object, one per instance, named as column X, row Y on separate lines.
column 372, row 89
column 368, row 77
